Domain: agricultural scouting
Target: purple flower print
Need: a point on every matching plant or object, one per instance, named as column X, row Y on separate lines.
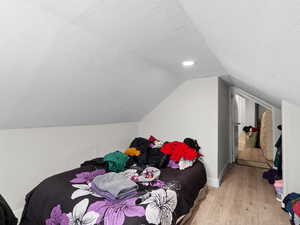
column 57, row 217
column 158, row 183
column 114, row 212
column 86, row 177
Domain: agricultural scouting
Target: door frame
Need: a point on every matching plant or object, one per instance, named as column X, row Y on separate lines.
column 232, row 92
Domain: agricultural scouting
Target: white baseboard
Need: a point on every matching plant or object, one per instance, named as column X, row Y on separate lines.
column 216, row 182
column 213, row 182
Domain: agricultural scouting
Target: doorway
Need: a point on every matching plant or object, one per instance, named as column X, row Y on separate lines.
column 252, row 130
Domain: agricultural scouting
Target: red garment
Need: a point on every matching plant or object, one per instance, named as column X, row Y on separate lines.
column 152, row 139
column 296, row 208
column 179, row 150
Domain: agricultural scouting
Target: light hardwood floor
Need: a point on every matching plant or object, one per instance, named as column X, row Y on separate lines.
column 254, row 157
column 244, row 198
column 252, row 154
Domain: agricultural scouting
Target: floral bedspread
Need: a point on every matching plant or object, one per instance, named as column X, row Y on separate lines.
column 67, row 199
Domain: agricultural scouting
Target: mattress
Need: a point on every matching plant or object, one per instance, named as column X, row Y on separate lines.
column 60, row 200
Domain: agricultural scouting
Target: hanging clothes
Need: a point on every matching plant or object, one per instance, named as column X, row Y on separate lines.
column 278, row 156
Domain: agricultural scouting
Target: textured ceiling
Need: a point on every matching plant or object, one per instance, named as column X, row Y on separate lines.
column 257, row 42
column 71, row 62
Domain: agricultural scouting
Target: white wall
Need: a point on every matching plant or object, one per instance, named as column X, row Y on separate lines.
column 241, row 114
column 190, row 111
column 291, row 153
column 246, row 112
column 256, row 41
column 223, row 140
column 30, row 155
column 249, row 112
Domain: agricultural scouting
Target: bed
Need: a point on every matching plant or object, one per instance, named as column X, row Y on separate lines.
column 67, row 199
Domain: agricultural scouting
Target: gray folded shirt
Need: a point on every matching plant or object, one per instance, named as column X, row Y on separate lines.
column 115, row 184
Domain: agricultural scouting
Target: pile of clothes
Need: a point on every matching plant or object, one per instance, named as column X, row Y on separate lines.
column 291, row 204
column 155, row 153
column 139, row 166
column 182, row 155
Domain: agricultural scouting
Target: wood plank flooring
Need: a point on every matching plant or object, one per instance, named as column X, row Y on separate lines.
column 254, row 157
column 252, row 154
column 243, row 199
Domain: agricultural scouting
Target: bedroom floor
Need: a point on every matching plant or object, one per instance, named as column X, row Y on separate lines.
column 243, row 199
column 253, row 157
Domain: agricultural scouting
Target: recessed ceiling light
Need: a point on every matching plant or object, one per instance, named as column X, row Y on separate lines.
column 188, row 63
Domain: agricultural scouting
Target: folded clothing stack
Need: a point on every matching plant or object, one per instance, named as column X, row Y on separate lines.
column 113, row 186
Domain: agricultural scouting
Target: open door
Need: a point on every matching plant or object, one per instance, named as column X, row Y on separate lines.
column 249, row 143
column 266, row 135
column 236, row 124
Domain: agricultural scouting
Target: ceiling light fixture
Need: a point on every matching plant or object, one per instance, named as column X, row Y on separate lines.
column 188, row 63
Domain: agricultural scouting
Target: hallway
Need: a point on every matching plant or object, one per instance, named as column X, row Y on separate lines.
column 253, row 157
column 243, row 199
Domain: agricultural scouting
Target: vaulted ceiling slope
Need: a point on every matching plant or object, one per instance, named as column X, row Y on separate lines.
column 78, row 62
column 257, row 42
column 74, row 62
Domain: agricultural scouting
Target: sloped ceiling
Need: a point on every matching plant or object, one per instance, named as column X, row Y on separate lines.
column 257, row 42
column 74, row 62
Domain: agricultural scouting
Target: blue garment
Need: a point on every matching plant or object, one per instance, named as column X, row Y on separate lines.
column 288, row 205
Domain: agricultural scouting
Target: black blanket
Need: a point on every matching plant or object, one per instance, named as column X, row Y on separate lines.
column 67, row 199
